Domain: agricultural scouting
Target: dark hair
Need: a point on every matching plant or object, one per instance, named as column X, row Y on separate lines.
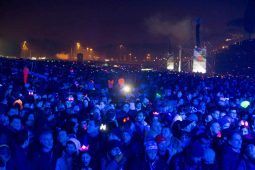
column 15, row 117
column 247, row 149
column 21, row 137
column 176, row 128
column 211, row 123
column 140, row 112
column 45, row 132
column 69, row 127
column 232, row 133
column 27, row 114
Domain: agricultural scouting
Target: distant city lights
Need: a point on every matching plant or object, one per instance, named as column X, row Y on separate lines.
column 146, row 69
column 228, row 39
column 224, row 47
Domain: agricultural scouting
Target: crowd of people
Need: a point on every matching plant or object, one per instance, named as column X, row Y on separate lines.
column 57, row 115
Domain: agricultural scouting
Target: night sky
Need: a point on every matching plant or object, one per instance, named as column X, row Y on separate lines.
column 141, row 25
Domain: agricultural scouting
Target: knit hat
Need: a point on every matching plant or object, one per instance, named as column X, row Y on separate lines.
column 151, row 145
column 4, row 147
column 76, row 143
column 5, row 151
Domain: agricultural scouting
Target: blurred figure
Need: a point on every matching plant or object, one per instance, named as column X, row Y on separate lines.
column 191, row 158
column 231, row 152
column 152, row 160
column 4, row 120
column 216, row 115
column 209, row 161
column 163, row 151
column 85, row 161
column 15, row 124
column 114, row 159
column 141, row 125
column 19, row 159
column 248, row 160
column 62, row 139
column 69, row 159
column 5, row 155
column 155, row 130
column 45, row 158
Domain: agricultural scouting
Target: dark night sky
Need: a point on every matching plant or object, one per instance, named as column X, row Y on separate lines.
column 102, row 24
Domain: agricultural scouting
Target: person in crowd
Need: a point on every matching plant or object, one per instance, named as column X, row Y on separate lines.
column 70, row 157
column 155, row 129
column 62, row 139
column 231, row 152
column 141, row 125
column 114, row 159
column 152, row 160
column 209, row 160
column 5, row 155
column 15, row 124
column 19, row 158
column 248, row 160
column 85, row 160
column 93, row 138
column 163, row 151
column 45, row 157
column 4, row 120
column 190, row 158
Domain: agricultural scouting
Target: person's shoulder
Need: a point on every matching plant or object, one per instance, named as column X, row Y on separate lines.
column 60, row 163
column 176, row 161
column 61, row 159
column 161, row 162
column 241, row 164
column 36, row 154
column 179, row 157
column 225, row 147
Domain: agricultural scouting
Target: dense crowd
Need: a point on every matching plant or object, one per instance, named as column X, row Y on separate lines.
column 68, row 116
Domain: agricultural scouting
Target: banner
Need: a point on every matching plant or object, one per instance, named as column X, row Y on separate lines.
column 199, row 60
column 170, row 63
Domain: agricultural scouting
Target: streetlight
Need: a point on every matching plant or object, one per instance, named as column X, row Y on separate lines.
column 78, row 46
column 121, row 46
column 25, row 50
column 24, row 46
column 148, row 57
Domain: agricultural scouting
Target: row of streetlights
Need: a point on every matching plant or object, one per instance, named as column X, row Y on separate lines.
column 79, row 49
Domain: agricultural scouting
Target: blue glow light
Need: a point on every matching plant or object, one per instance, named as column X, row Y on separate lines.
column 245, row 104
